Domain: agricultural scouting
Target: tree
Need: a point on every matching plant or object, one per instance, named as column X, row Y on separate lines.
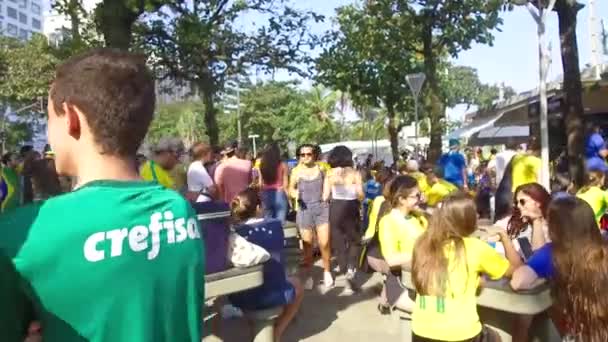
column 26, row 69
column 115, row 19
column 572, row 105
column 201, row 43
column 368, row 57
column 447, row 27
column 181, row 119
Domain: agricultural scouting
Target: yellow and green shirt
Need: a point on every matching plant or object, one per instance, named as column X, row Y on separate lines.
column 439, row 191
column 153, row 172
column 397, row 232
column 453, row 316
column 597, row 199
column 10, row 189
column 526, row 169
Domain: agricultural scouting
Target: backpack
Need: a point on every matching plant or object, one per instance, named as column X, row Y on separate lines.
column 214, row 220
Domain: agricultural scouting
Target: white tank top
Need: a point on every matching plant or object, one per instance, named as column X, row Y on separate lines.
column 344, row 192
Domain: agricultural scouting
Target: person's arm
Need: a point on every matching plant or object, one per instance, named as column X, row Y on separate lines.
column 327, row 186
column 293, row 181
column 219, row 183
column 538, row 266
column 538, row 234
column 525, row 278
column 510, row 253
column 285, row 175
column 359, row 183
column 465, row 180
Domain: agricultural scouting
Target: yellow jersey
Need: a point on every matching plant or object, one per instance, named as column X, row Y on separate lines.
column 153, row 172
column 453, row 317
column 373, row 217
column 439, row 191
column 597, row 199
column 526, row 169
column 397, row 233
column 423, row 184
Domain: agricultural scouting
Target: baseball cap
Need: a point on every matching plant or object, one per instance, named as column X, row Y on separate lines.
column 169, row 144
column 454, row 142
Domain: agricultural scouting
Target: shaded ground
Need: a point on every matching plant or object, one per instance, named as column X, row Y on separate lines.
column 329, row 317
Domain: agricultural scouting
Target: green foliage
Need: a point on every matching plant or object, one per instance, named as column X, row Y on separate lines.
column 461, row 85
column 26, row 69
column 182, row 119
column 276, row 111
column 201, row 42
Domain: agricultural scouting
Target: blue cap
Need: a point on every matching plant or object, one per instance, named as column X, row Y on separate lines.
column 454, row 142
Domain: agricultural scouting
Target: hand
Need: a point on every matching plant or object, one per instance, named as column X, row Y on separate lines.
column 503, row 236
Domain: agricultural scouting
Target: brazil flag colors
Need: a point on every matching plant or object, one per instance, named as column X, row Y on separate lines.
column 10, row 196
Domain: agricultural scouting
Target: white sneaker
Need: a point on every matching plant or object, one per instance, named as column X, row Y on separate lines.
column 309, row 283
column 328, row 280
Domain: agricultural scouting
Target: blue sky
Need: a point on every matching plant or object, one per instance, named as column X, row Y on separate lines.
column 513, row 59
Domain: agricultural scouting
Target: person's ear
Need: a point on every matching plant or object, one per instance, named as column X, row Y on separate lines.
column 73, row 117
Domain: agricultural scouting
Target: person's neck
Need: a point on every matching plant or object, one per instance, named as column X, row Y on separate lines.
column 105, row 167
column 404, row 211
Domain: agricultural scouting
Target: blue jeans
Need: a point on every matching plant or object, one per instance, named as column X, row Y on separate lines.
column 275, row 204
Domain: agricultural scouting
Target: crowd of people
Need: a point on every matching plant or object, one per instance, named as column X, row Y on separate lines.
column 102, row 243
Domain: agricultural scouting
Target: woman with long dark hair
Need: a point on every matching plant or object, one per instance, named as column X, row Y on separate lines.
column 576, row 265
column 527, row 226
column 446, row 267
column 343, row 187
column 273, row 183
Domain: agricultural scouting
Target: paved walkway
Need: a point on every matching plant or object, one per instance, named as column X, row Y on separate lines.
column 330, row 317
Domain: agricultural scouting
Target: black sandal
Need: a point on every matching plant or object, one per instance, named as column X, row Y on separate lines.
column 384, row 309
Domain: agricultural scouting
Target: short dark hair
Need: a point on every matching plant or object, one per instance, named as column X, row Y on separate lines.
column 116, row 93
column 340, row 156
column 299, row 149
column 6, row 158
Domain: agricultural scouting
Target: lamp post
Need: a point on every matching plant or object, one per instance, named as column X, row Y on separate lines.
column 253, row 137
column 539, row 13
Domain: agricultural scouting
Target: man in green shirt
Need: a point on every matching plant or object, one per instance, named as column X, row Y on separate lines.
column 118, row 259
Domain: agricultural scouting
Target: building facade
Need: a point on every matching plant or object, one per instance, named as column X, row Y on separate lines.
column 21, row 18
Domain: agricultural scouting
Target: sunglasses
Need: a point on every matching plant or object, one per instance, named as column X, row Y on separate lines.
column 305, row 154
column 417, row 196
column 520, row 202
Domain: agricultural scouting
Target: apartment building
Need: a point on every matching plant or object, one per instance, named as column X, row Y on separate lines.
column 21, row 18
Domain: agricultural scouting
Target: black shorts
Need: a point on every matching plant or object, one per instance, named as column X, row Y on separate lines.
column 487, row 334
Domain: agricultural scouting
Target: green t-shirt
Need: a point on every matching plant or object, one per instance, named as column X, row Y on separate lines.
column 112, row 261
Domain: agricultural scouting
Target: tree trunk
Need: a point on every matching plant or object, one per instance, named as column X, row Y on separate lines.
column 210, row 114
column 437, row 108
column 393, row 131
column 115, row 20
column 74, row 13
column 572, row 106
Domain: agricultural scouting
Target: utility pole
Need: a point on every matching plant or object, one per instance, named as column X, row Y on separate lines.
column 594, row 39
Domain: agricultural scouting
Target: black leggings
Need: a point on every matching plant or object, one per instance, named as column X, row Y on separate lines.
column 344, row 221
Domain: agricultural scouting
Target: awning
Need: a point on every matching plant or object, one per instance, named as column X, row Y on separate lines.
column 474, row 126
column 500, row 135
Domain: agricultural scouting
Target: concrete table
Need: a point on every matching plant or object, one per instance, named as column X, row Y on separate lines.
column 233, row 280
column 499, row 305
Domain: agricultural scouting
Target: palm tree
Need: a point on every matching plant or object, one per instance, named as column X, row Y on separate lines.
column 322, row 102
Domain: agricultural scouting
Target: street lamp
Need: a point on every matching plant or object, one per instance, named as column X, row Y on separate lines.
column 253, row 137
column 539, row 13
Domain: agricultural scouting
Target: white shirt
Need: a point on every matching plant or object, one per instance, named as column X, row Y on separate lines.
column 502, row 160
column 198, row 178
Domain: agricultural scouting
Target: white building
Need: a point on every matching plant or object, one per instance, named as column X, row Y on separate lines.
column 21, row 18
